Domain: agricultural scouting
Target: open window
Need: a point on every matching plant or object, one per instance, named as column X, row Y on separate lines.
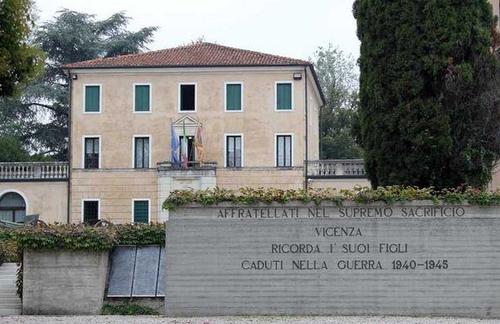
column 187, row 97
column 187, row 148
column 90, row 211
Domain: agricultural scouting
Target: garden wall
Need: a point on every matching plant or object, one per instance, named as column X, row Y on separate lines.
column 61, row 282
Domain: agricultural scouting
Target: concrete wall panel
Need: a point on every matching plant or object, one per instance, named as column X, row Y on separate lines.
column 64, row 282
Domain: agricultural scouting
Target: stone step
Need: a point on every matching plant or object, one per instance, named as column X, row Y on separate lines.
column 9, row 297
column 10, row 311
column 10, row 303
column 8, row 267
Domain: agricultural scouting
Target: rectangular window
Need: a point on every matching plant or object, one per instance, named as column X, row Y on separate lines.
column 92, row 98
column 234, row 97
column 234, row 154
column 284, row 96
column 187, row 100
column 141, row 211
column 187, row 148
column 141, row 152
column 91, row 153
column 90, row 211
column 142, row 98
column 284, row 150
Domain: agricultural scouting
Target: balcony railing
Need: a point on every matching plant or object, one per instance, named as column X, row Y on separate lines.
column 192, row 165
column 336, row 169
column 34, row 171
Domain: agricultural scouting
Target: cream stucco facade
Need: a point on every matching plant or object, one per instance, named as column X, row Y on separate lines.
column 48, row 199
column 116, row 183
column 258, row 122
column 496, row 7
column 495, row 183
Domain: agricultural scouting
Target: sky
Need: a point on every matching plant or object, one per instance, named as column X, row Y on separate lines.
column 293, row 28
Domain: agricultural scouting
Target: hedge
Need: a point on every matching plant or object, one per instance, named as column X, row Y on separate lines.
column 81, row 237
column 389, row 195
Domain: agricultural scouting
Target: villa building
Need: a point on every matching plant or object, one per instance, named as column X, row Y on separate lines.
column 496, row 7
column 195, row 116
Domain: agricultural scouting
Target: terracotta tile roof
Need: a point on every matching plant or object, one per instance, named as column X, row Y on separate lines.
column 199, row 54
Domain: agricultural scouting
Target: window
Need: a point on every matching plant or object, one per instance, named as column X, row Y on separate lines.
column 92, row 99
column 234, row 149
column 187, row 97
column 12, row 207
column 187, row 148
column 283, row 150
column 234, row 97
column 142, row 98
column 90, row 213
column 91, row 153
column 141, row 211
column 284, row 99
column 141, row 152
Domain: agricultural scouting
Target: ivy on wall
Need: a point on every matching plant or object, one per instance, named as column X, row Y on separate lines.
column 80, row 237
column 249, row 196
column 74, row 237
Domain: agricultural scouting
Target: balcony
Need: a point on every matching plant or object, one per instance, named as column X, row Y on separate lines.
column 192, row 165
column 193, row 169
column 336, row 169
column 34, row 171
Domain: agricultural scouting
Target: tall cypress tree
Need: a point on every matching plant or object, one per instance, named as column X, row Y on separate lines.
column 415, row 56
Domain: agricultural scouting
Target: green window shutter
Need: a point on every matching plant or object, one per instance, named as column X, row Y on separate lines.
column 92, row 99
column 141, row 211
column 142, row 98
column 284, row 96
column 233, row 96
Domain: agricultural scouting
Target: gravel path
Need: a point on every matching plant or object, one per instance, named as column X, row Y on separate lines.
column 235, row 320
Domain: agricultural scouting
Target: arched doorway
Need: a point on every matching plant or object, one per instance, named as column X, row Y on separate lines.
column 12, row 207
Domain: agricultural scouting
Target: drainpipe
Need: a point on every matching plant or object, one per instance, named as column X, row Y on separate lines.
column 68, row 217
column 306, row 161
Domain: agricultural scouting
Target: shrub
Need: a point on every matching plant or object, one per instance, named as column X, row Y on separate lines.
column 248, row 196
column 127, row 308
column 9, row 252
column 81, row 237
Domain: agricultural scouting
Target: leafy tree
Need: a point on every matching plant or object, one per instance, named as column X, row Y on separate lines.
column 339, row 79
column 11, row 150
column 18, row 60
column 427, row 92
column 40, row 115
column 472, row 97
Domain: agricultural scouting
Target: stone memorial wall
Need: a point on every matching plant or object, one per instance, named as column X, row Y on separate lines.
column 295, row 259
